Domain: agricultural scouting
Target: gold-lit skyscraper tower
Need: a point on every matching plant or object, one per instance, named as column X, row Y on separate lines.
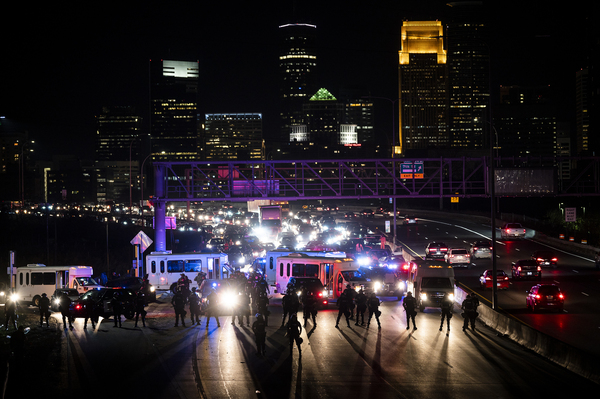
column 422, row 80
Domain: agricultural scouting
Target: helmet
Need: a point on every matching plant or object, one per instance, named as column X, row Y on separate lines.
column 409, row 293
column 44, row 295
column 193, row 289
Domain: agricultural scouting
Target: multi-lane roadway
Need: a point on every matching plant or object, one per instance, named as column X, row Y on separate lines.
column 162, row 361
column 578, row 324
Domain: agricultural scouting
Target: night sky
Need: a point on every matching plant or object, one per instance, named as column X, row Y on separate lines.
column 61, row 64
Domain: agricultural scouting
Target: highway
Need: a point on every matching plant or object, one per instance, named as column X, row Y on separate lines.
column 162, row 361
column 577, row 325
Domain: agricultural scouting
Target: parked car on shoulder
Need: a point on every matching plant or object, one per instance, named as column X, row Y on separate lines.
column 512, row 230
column 546, row 296
column 486, row 279
column 526, row 268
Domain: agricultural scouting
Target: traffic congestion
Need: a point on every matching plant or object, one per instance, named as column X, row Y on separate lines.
column 277, row 294
column 284, row 249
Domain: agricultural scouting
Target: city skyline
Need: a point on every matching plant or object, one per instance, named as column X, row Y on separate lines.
column 70, row 67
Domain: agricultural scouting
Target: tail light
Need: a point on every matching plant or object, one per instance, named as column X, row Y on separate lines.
column 540, row 259
column 488, row 278
column 475, row 248
column 78, row 306
column 505, row 278
column 554, row 259
column 444, row 249
column 561, row 296
column 405, row 266
column 538, row 296
column 539, row 268
column 324, row 302
column 320, row 294
column 519, row 268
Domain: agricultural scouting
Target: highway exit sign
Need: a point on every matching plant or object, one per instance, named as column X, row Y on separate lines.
column 412, row 170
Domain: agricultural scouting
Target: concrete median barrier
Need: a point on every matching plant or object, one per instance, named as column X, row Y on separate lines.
column 574, row 359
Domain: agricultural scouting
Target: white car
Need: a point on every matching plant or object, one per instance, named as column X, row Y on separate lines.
column 512, row 230
column 458, row 257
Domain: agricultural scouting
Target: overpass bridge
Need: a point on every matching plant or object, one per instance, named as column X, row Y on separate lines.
column 466, row 177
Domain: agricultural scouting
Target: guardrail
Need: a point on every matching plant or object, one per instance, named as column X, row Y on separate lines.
column 574, row 359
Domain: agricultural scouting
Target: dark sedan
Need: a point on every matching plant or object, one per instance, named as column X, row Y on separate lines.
column 101, row 299
column 546, row 296
column 545, row 258
column 135, row 284
column 55, row 298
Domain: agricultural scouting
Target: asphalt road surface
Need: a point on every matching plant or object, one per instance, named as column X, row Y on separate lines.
column 577, row 325
column 163, row 361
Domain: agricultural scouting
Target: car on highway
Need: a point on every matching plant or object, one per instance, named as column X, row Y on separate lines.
column 458, row 257
column 300, row 285
column 526, row 268
column 73, row 295
column 410, row 219
column 367, row 213
column 546, row 296
column 545, row 258
column 481, row 249
column 512, row 230
column 436, row 250
column 486, row 279
column 101, row 299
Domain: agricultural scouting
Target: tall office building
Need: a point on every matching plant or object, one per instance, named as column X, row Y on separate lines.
column 297, row 73
column 117, row 154
column 422, row 80
column 229, row 137
column 526, row 122
column 468, row 75
column 174, row 119
column 359, row 111
column 117, row 129
column 323, row 115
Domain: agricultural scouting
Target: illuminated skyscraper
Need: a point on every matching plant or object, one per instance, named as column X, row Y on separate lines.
column 117, row 154
column 422, row 80
column 174, row 110
column 229, row 137
column 468, row 75
column 297, row 73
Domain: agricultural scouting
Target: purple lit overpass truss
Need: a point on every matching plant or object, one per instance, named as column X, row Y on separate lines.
column 361, row 178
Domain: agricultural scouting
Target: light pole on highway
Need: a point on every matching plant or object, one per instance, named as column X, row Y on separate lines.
column 393, row 153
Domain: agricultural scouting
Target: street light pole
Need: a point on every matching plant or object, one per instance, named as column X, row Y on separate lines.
column 393, row 152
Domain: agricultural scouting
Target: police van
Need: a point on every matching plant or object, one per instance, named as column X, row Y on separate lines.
column 429, row 281
column 165, row 268
column 270, row 266
column 335, row 273
column 35, row 279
